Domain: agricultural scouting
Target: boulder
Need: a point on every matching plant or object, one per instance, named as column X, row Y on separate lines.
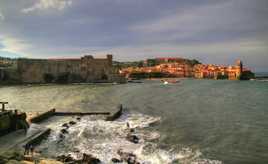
column 65, row 125
column 64, row 131
column 130, row 158
column 115, row 160
column 133, row 138
column 64, row 158
column 61, row 136
column 88, row 158
column 72, row 123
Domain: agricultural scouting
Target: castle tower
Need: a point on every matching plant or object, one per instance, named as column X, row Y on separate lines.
column 239, row 68
column 110, row 59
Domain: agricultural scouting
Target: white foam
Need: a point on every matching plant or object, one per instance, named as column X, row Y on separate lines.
column 103, row 139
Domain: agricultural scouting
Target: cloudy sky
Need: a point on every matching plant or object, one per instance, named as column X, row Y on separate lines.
column 212, row 31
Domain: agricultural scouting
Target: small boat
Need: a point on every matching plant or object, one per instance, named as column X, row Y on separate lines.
column 171, row 81
column 134, row 81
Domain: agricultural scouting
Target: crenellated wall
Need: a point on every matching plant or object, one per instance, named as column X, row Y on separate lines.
column 85, row 69
column 34, row 70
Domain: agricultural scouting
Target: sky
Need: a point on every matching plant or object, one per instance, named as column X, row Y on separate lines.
column 212, row 31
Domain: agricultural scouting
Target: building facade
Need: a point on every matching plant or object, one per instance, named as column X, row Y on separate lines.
column 178, row 67
column 210, row 71
column 167, row 67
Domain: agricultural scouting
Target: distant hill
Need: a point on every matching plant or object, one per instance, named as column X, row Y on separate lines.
column 154, row 62
column 7, row 62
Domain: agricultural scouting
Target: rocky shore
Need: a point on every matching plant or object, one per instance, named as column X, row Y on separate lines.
column 120, row 137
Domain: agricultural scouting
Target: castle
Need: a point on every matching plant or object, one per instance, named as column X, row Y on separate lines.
column 84, row 69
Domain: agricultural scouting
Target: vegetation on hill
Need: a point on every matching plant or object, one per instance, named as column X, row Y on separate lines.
column 246, row 75
column 150, row 62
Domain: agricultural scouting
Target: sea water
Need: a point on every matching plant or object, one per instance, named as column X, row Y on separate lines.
column 194, row 121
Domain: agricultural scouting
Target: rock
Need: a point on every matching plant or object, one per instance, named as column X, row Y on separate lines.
column 115, row 160
column 49, row 161
column 61, row 136
column 43, row 161
column 65, row 125
column 2, row 160
column 88, row 158
column 72, row 123
column 64, row 158
column 78, row 118
column 12, row 155
column 130, row 158
column 133, row 138
column 64, row 131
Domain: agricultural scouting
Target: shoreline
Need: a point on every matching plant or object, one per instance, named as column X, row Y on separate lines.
column 116, row 83
column 56, row 84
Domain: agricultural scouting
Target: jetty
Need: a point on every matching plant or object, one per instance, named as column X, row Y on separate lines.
column 80, row 113
column 18, row 140
column 38, row 117
column 116, row 114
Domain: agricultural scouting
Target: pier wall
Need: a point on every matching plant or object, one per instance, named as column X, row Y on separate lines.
column 11, row 121
column 42, row 116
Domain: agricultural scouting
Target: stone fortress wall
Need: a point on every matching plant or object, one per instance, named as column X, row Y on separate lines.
column 85, row 69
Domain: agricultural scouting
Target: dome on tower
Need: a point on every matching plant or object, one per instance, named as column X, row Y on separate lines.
column 238, row 62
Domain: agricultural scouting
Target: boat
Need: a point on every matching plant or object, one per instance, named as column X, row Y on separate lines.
column 165, row 82
column 171, row 81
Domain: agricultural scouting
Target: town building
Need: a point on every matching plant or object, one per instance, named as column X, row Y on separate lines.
column 210, row 71
column 178, row 67
column 167, row 67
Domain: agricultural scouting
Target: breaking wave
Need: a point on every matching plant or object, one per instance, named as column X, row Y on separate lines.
column 103, row 139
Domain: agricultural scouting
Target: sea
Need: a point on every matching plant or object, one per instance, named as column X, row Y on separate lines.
column 192, row 121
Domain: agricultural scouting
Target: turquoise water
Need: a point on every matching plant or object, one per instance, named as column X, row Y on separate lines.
column 225, row 120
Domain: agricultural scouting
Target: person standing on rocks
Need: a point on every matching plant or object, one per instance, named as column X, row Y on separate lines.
column 32, row 150
column 26, row 149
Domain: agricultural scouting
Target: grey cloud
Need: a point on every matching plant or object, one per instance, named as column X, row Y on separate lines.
column 222, row 21
column 212, row 31
column 47, row 4
column 2, row 17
